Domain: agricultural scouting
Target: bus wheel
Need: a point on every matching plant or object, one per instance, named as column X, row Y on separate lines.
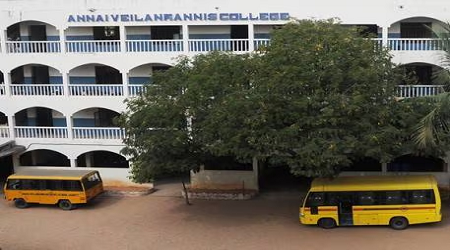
column 20, row 203
column 65, row 205
column 399, row 223
column 326, row 223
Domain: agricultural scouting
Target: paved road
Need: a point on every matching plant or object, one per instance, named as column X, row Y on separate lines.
column 165, row 222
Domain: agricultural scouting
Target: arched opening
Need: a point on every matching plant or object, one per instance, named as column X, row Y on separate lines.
column 40, row 117
column 95, row 39
column 36, row 79
column 96, row 123
column 2, row 84
column 102, row 159
column 95, row 80
column 40, row 122
column 421, row 73
column 32, row 37
column 415, row 33
column 414, row 163
column 95, row 117
column 44, row 157
column 422, row 79
column 4, row 129
column 140, row 76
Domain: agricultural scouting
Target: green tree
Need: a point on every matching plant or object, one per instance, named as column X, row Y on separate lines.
column 189, row 116
column 319, row 97
column 325, row 98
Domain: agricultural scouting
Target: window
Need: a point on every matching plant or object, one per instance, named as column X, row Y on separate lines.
column 366, row 198
column 63, row 185
column 165, row 32
column 315, row 199
column 14, row 185
column 416, row 30
column 91, row 181
column 421, row 197
column 106, row 33
column 395, row 198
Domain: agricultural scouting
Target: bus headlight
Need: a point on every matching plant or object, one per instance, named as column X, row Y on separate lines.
column 302, row 215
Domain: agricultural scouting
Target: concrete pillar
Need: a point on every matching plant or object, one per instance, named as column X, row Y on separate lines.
column 11, row 125
column 123, row 39
column 251, row 37
column 73, row 163
column 384, row 35
column 185, row 32
column 3, row 39
column 65, row 80
column 7, row 81
column 69, row 127
column 16, row 161
column 62, row 40
column 125, row 83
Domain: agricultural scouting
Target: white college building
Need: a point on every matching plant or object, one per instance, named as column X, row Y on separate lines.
column 67, row 66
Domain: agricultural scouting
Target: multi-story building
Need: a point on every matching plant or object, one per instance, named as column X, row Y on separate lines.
column 67, row 66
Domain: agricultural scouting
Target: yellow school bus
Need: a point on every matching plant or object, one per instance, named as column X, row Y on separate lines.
column 397, row 201
column 67, row 188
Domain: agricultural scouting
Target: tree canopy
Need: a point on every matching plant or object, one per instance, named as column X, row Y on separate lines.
column 319, row 97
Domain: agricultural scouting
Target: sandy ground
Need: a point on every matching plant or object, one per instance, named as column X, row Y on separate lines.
column 162, row 221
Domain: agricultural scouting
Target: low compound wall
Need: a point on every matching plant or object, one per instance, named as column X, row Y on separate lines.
column 224, row 179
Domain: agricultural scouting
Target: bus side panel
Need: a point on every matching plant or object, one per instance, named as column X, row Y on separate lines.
column 415, row 214
column 73, row 196
column 309, row 218
column 362, row 215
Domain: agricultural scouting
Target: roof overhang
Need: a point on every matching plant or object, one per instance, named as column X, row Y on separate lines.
column 10, row 148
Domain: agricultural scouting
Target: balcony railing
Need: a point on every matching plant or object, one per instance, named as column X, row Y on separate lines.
column 203, row 45
column 93, row 46
column 37, row 89
column 154, row 45
column 4, row 132
column 98, row 133
column 136, row 89
column 194, row 45
column 261, row 43
column 40, row 132
column 407, row 91
column 2, row 89
column 22, row 47
column 414, row 44
column 96, row 89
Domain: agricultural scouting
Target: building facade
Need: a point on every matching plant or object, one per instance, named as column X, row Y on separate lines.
column 67, row 66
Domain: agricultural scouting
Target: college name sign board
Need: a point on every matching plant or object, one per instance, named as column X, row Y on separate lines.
column 95, row 18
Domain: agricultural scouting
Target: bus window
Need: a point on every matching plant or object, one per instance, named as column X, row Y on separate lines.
column 315, row 200
column 395, row 198
column 421, row 197
column 14, row 185
column 91, row 181
column 366, row 198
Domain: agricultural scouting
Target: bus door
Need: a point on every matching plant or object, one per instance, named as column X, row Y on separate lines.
column 344, row 203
